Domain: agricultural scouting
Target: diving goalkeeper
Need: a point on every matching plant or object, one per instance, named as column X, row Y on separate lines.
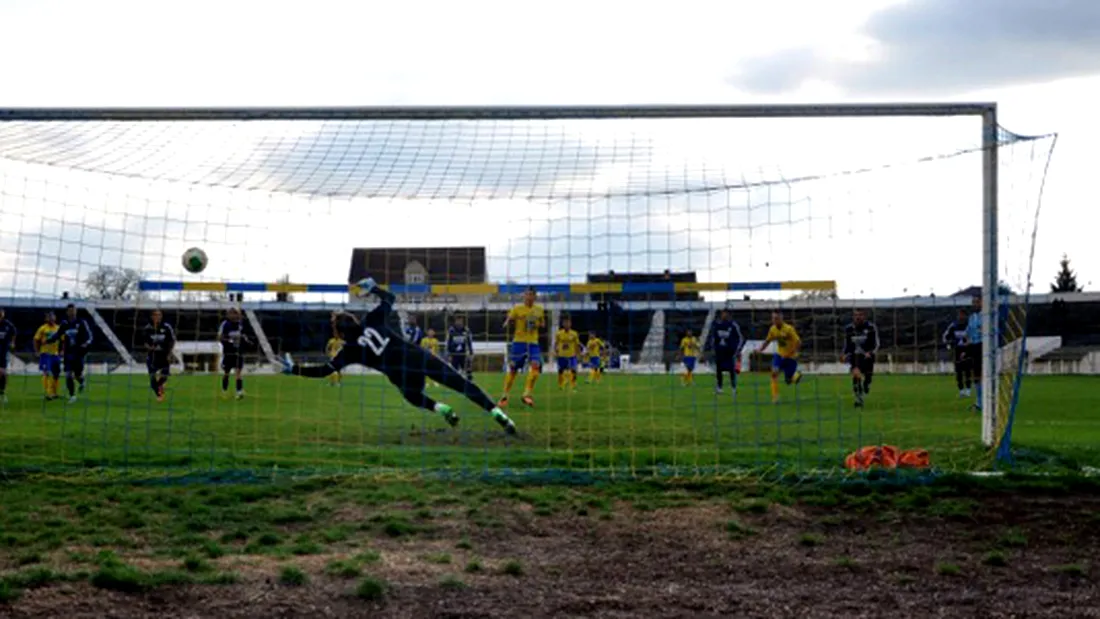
column 375, row 345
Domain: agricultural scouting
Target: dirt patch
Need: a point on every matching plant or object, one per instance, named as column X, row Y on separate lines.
column 1022, row 556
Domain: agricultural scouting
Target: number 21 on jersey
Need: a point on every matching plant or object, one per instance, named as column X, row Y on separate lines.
column 373, row 340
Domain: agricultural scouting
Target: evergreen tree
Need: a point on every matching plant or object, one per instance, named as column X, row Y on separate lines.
column 1066, row 280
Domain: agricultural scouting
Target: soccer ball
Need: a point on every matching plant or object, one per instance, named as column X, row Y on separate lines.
column 194, row 260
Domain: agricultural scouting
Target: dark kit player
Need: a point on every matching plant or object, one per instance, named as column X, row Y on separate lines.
column 861, row 342
column 413, row 333
column 232, row 337
column 160, row 340
column 76, row 339
column 460, row 347
column 725, row 344
column 957, row 341
column 7, row 344
column 374, row 344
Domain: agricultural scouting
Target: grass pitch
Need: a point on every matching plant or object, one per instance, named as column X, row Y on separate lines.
column 626, row 424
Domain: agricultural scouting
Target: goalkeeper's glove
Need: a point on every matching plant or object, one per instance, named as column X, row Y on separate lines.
column 366, row 286
column 288, row 364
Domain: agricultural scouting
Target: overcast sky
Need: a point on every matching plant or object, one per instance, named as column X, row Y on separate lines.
column 1040, row 59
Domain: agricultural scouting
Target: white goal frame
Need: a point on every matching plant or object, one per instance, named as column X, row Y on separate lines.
column 987, row 111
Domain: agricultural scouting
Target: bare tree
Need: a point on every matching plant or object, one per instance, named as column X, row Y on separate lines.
column 113, row 283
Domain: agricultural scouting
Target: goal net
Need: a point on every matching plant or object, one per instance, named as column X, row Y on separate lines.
column 646, row 230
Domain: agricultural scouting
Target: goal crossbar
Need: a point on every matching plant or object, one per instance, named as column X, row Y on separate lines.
column 496, row 112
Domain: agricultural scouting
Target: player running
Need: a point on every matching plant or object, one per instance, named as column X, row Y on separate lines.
column 160, row 339
column 956, row 340
column 567, row 345
column 861, row 343
column 7, row 345
column 593, row 351
column 725, row 342
column 374, row 344
column 785, row 358
column 689, row 353
column 232, row 337
column 49, row 358
column 75, row 336
column 460, row 347
column 332, row 348
column 528, row 318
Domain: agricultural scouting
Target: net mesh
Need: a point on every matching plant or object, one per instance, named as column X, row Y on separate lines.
column 638, row 230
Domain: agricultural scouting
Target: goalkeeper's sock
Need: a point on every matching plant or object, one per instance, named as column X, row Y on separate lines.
column 775, row 387
column 500, row 417
column 529, row 384
column 447, row 413
column 225, row 382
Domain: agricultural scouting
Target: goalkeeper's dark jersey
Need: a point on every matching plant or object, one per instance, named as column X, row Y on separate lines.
column 374, row 343
column 459, row 341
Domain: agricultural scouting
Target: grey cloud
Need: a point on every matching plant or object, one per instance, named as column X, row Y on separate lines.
column 931, row 47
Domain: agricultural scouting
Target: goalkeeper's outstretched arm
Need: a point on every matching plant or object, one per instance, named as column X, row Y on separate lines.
column 387, row 297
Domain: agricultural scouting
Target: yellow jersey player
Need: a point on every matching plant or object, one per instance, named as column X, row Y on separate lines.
column 527, row 319
column 49, row 355
column 689, row 353
column 430, row 344
column 567, row 346
column 594, row 351
column 785, row 359
column 332, row 348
